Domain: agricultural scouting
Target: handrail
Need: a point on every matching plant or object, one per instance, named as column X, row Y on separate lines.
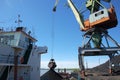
column 6, row 58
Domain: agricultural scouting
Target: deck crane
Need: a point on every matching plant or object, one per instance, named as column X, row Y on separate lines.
column 95, row 28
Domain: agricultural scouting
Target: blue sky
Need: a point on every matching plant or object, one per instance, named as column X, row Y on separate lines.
column 38, row 17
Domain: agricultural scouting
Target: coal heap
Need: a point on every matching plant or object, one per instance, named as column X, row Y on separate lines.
column 51, row 75
column 104, row 68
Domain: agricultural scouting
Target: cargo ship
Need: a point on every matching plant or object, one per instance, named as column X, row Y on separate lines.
column 19, row 55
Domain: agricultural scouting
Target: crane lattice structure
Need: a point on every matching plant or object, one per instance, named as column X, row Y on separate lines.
column 95, row 28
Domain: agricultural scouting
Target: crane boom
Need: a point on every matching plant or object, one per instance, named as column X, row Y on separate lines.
column 77, row 14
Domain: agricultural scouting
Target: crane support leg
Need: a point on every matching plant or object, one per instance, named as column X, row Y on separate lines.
column 88, row 50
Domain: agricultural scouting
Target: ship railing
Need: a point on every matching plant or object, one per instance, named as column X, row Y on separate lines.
column 6, row 58
column 20, row 77
column 23, row 73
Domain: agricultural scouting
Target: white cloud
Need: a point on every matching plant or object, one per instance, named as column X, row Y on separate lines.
column 61, row 64
column 11, row 3
column 44, row 64
column 69, row 64
column 8, row 3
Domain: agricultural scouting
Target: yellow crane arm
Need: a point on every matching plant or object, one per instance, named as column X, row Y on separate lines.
column 77, row 14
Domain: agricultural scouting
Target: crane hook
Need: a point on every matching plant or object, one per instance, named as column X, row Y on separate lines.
column 55, row 6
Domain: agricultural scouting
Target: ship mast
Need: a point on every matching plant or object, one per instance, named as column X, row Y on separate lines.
column 18, row 21
column 16, row 53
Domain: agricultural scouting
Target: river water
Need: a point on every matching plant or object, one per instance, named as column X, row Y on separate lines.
column 43, row 71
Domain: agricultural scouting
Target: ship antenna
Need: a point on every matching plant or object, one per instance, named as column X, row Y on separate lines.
column 18, row 21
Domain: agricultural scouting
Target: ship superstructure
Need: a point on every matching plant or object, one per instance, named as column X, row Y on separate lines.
column 19, row 56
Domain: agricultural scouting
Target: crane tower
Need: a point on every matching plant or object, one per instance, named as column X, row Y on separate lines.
column 95, row 29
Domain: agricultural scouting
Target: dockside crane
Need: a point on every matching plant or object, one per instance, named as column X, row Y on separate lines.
column 95, row 28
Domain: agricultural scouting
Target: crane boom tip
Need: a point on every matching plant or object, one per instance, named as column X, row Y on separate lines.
column 54, row 9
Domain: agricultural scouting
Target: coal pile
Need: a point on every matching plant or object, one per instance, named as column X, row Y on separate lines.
column 104, row 68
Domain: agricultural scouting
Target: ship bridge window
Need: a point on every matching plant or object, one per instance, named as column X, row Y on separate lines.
column 119, row 64
column 6, row 38
column 26, row 39
column 11, row 37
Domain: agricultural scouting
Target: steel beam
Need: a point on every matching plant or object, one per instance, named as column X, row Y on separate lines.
column 98, row 52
